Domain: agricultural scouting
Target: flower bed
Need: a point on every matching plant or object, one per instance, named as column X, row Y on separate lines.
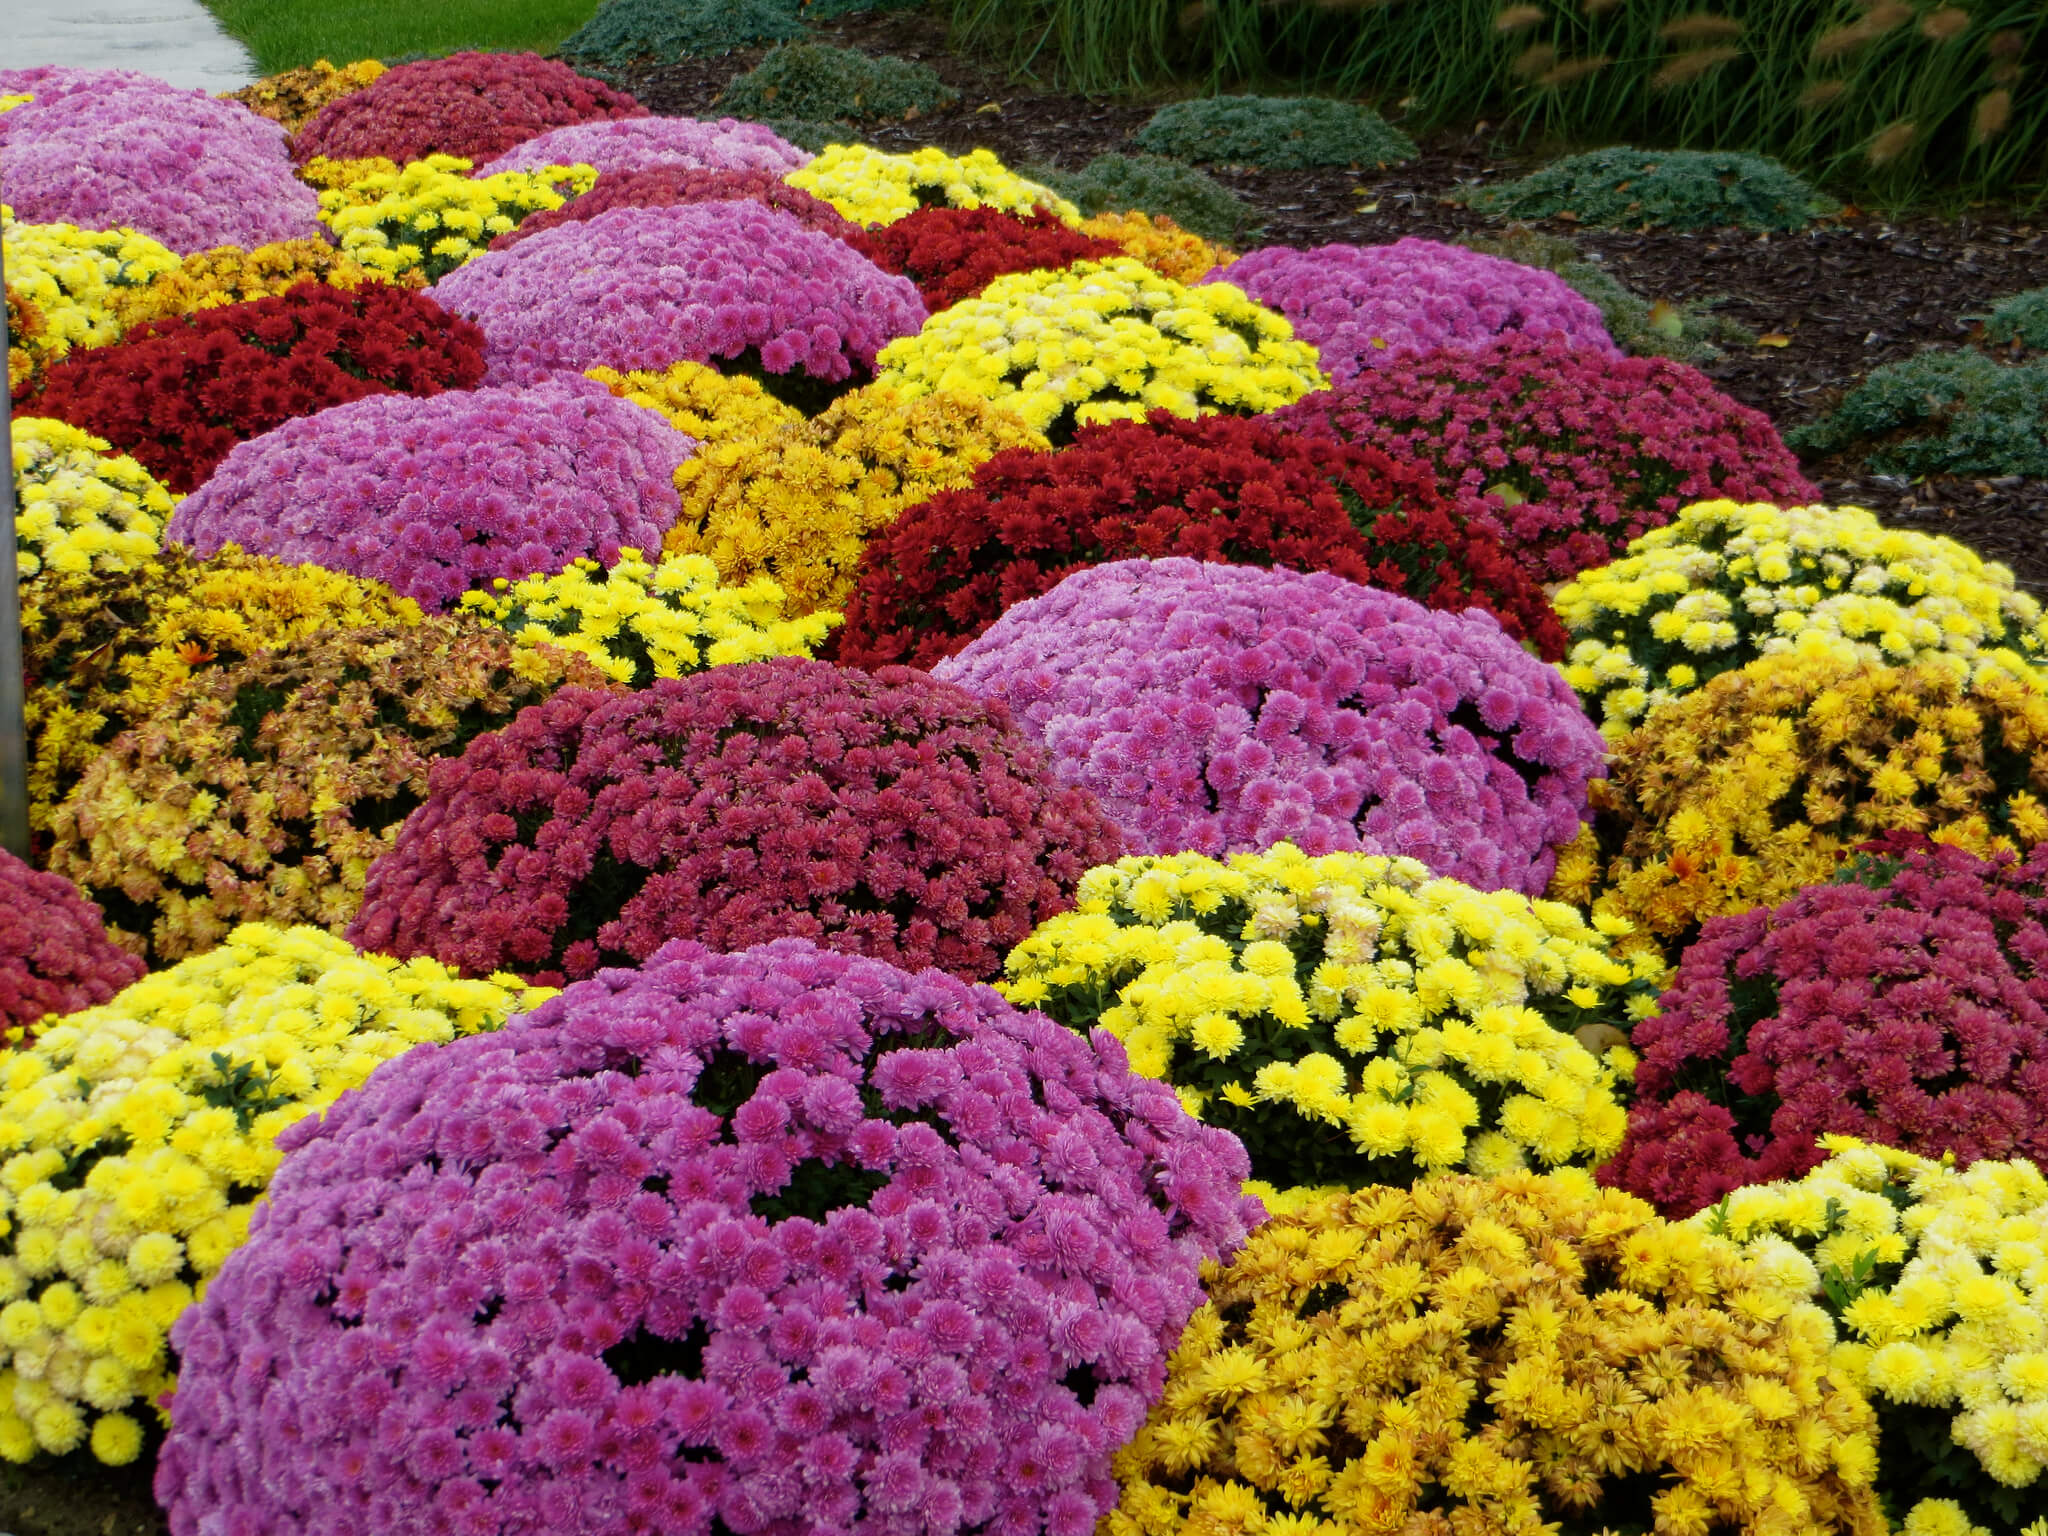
column 55, row 956
column 1577, row 453
column 181, row 393
column 1219, row 489
column 954, row 253
column 862, row 1246
column 1222, row 708
column 641, row 143
column 667, row 186
column 647, row 287
column 888, row 816
column 436, row 496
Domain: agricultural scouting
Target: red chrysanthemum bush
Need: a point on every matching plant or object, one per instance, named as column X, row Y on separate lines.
column 1575, row 453
column 55, row 955
column 178, row 393
column 665, row 186
column 887, row 815
column 954, row 253
column 476, row 105
column 1223, row 489
column 1905, row 1004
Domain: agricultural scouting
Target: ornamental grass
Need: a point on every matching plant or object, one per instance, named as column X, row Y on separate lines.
column 1351, row 1019
column 668, row 186
column 432, row 215
column 799, row 501
column 80, row 508
column 1766, row 779
column 55, row 956
column 1723, row 583
column 181, row 393
column 1219, row 489
column 1503, row 1357
column 1106, row 341
column 1576, row 453
column 1225, row 708
column 783, row 1236
column 136, row 1138
column 885, row 815
column 104, row 651
column 1905, row 1004
column 869, row 186
column 264, row 792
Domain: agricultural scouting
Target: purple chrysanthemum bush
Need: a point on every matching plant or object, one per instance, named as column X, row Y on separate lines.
column 436, row 496
column 1220, row 709
column 635, row 143
column 107, row 149
column 1362, row 307
column 778, row 1241
column 733, row 283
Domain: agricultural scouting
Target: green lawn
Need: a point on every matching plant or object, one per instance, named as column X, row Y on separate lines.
column 284, row 34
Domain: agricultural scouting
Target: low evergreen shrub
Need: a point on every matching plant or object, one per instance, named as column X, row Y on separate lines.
column 1278, row 133
column 821, row 83
column 2020, row 322
column 1664, row 189
column 1154, row 184
column 1943, row 411
column 666, row 31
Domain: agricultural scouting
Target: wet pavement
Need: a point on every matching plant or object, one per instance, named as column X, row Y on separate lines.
column 176, row 40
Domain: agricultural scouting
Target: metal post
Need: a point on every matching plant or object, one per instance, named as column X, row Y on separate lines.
column 13, row 722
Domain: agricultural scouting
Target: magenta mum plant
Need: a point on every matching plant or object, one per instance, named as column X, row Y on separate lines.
column 732, row 283
column 633, row 144
column 884, row 814
column 55, row 956
column 1907, row 1005
column 1363, row 306
column 1222, row 709
column 1572, row 453
column 778, row 1241
column 110, row 149
column 436, row 496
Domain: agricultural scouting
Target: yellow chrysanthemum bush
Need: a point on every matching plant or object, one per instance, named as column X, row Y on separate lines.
column 30, row 346
column 1937, row 1277
column 263, row 792
column 1105, row 341
column 80, row 507
column 1351, row 1018
column 799, row 501
column 227, row 274
column 137, row 1137
column 701, row 402
column 1739, row 793
column 870, row 186
column 293, row 96
column 636, row 622
column 1161, row 244
column 1519, row 1356
column 1725, row 583
column 104, row 652
column 330, row 174
column 74, row 277
column 431, row 216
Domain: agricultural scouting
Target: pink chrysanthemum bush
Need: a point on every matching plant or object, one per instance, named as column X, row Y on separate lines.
column 1221, row 708
column 435, row 496
column 1365, row 306
column 668, row 186
column 1575, row 452
column 777, row 1241
column 636, row 143
column 475, row 105
column 884, row 814
column 1905, row 1004
column 736, row 284
column 111, row 149
column 55, row 956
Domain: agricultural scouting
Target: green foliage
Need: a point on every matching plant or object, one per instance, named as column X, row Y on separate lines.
column 1670, row 189
column 1281, row 133
column 1941, row 412
column 664, row 31
column 1824, row 87
column 1153, row 184
column 825, row 10
column 820, row 83
column 1686, row 333
column 2021, row 319
column 290, row 34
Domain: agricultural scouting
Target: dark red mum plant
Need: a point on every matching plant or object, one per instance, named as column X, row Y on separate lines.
column 1224, row 489
column 55, row 956
column 888, row 815
column 179, row 393
column 1905, row 1005
column 1575, row 453
column 663, row 186
column 477, row 105
column 954, row 253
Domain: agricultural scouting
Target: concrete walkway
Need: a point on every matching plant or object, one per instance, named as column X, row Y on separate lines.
column 175, row 40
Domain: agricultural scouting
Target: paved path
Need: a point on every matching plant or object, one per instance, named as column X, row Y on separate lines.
column 177, row 40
